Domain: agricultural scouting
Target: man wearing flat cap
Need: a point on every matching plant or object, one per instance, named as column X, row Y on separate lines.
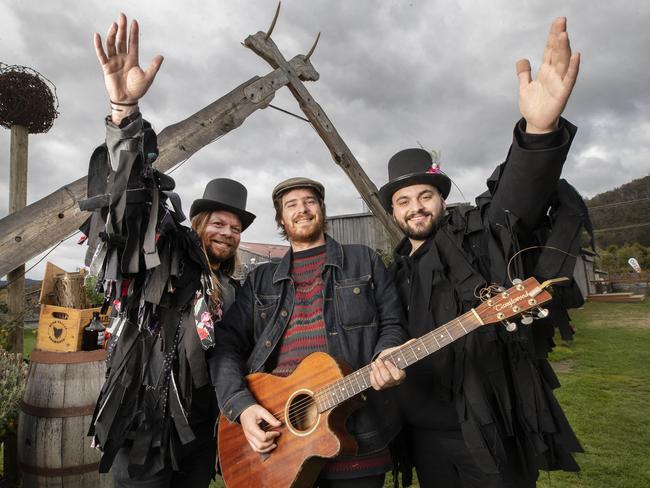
column 322, row 296
column 481, row 412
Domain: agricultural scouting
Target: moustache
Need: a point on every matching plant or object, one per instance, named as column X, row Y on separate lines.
column 304, row 215
column 228, row 242
column 419, row 213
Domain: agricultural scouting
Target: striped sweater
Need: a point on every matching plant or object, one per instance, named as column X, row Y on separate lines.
column 305, row 334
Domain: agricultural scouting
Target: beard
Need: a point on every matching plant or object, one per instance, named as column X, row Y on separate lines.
column 217, row 255
column 420, row 231
column 306, row 234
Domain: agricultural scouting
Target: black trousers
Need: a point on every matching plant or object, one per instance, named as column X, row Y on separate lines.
column 368, row 482
column 442, row 460
column 197, row 471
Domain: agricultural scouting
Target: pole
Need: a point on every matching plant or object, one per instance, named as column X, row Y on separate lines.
column 17, row 201
column 16, row 279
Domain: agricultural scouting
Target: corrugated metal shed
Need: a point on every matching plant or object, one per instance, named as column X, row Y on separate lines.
column 361, row 228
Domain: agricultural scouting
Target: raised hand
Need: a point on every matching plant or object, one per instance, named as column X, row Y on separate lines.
column 542, row 100
column 125, row 81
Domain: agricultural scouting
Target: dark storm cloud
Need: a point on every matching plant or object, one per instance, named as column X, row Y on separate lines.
column 393, row 74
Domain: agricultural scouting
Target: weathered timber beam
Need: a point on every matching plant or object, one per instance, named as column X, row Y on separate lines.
column 264, row 46
column 39, row 226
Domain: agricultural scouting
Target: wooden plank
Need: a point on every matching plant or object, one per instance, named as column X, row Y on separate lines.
column 44, row 223
column 18, row 168
column 16, row 276
column 27, row 447
column 264, row 46
column 72, row 448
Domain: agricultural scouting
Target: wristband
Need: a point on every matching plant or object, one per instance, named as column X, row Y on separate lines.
column 125, row 104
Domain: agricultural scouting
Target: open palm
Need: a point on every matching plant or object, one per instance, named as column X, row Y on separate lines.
column 125, row 81
column 542, row 100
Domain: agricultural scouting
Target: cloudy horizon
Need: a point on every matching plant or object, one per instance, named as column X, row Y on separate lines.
column 393, row 74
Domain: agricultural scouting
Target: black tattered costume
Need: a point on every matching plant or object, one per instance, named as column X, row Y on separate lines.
column 492, row 390
column 157, row 400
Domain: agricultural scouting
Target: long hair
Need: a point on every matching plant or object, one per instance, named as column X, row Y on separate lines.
column 199, row 223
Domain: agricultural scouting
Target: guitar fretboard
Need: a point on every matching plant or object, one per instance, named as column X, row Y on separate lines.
column 358, row 381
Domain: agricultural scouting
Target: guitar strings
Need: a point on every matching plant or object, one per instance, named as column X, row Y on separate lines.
column 530, row 248
column 299, row 410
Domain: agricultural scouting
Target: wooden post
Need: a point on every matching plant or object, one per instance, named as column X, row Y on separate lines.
column 16, row 278
column 45, row 222
column 17, row 201
column 262, row 45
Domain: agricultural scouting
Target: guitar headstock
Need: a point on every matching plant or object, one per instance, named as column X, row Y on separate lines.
column 520, row 298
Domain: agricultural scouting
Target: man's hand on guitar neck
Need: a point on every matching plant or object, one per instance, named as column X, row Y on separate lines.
column 385, row 374
column 252, row 419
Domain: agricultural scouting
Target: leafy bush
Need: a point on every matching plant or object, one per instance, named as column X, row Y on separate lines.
column 613, row 259
column 13, row 375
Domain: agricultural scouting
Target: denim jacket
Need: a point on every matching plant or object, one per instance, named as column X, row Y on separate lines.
column 362, row 318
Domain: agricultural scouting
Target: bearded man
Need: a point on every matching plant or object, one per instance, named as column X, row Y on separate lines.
column 219, row 218
column 322, row 296
column 156, row 413
column 481, row 412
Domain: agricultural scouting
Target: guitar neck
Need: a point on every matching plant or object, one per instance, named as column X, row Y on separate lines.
column 336, row 393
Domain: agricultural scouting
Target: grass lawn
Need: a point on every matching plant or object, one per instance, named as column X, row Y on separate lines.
column 29, row 339
column 606, row 395
column 605, row 376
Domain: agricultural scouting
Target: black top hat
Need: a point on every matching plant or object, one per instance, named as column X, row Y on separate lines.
column 412, row 167
column 224, row 194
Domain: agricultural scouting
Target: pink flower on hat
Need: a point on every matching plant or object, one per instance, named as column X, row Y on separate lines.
column 434, row 169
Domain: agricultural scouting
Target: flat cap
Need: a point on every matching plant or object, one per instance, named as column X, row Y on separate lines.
column 297, row 182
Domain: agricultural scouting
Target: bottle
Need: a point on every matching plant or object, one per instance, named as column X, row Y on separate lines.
column 93, row 334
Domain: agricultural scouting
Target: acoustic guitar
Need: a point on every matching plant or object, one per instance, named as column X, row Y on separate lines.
column 312, row 403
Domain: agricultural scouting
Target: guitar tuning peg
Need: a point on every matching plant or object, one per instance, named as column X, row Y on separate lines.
column 526, row 319
column 510, row 326
column 542, row 313
column 516, row 281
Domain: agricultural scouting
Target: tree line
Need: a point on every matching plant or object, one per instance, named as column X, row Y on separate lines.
column 622, row 216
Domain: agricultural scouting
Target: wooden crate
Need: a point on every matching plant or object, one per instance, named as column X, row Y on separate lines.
column 60, row 329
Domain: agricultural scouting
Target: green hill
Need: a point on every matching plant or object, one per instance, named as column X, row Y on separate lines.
column 622, row 215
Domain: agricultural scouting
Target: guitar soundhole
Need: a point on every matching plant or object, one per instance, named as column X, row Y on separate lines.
column 302, row 413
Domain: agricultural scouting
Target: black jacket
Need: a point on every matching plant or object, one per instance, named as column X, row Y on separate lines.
column 157, row 397
column 493, row 385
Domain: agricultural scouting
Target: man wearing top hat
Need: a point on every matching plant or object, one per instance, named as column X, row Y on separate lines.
column 168, row 285
column 219, row 218
column 481, row 411
column 322, row 296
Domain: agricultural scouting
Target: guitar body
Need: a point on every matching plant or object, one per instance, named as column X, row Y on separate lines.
column 307, row 438
column 313, row 426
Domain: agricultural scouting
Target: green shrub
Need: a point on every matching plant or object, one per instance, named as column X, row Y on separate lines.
column 13, row 375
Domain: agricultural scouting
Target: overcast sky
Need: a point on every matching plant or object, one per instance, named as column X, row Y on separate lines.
column 392, row 74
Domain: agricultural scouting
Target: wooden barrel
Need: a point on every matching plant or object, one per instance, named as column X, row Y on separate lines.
column 55, row 415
